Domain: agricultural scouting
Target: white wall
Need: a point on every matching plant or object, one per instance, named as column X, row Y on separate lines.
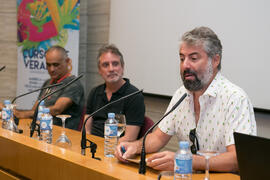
column 147, row 32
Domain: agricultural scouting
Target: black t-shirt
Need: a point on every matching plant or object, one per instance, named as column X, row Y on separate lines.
column 133, row 107
column 75, row 92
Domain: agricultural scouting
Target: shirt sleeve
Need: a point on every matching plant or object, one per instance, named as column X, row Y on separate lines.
column 75, row 92
column 167, row 125
column 240, row 118
column 89, row 101
column 135, row 111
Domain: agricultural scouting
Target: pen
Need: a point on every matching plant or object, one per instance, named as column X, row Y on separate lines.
column 123, row 149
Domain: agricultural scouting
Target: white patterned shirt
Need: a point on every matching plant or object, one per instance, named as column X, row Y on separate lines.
column 224, row 109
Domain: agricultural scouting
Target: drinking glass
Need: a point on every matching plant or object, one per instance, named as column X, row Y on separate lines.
column 207, row 155
column 121, row 118
column 63, row 140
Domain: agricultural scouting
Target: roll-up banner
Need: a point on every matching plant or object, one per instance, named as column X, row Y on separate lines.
column 42, row 24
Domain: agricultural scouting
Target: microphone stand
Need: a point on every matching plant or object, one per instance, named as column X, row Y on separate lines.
column 142, row 168
column 93, row 146
column 3, row 67
column 34, row 124
column 46, row 87
column 16, row 120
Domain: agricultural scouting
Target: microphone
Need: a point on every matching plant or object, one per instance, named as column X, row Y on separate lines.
column 142, row 168
column 34, row 124
column 49, row 86
column 16, row 120
column 84, row 140
column 3, row 67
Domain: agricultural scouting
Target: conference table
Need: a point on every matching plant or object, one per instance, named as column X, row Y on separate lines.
column 22, row 157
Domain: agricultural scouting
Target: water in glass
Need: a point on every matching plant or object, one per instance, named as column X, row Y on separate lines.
column 121, row 119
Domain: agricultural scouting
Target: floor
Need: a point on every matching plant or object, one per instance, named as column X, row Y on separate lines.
column 156, row 106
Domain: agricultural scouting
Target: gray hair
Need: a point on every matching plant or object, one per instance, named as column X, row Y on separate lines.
column 112, row 49
column 58, row 49
column 206, row 37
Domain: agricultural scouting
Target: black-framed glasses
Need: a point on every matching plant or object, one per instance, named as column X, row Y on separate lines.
column 195, row 143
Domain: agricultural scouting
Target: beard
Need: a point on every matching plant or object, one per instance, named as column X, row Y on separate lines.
column 199, row 82
column 114, row 77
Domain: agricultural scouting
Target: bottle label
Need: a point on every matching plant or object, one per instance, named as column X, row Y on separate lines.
column 6, row 115
column 183, row 166
column 39, row 116
column 111, row 130
column 46, row 124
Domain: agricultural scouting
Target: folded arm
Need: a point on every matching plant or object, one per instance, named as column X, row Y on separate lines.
column 60, row 105
column 224, row 162
column 131, row 133
column 154, row 142
column 23, row 114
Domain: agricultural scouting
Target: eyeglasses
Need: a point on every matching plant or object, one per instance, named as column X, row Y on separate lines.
column 195, row 143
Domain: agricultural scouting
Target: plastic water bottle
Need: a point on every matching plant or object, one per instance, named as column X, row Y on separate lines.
column 40, row 111
column 46, row 126
column 183, row 162
column 5, row 117
column 7, row 114
column 110, row 135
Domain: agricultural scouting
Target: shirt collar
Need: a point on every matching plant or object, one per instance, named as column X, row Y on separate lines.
column 123, row 88
column 60, row 80
column 212, row 89
column 119, row 91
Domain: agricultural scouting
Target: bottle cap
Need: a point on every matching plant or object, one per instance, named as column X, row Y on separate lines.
column 46, row 110
column 7, row 102
column 183, row 144
column 41, row 110
column 111, row 115
column 42, row 103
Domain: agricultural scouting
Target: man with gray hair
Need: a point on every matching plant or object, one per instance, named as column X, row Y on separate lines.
column 213, row 109
column 111, row 68
column 67, row 101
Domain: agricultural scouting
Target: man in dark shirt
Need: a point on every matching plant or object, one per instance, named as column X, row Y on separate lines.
column 111, row 68
column 67, row 101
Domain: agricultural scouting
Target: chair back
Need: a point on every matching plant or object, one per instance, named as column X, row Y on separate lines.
column 148, row 123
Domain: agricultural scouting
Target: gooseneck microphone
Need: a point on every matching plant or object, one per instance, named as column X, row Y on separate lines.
column 3, row 67
column 34, row 124
column 16, row 120
column 142, row 168
column 46, row 87
column 93, row 146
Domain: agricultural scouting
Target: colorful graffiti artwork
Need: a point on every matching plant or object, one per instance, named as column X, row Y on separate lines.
column 42, row 23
